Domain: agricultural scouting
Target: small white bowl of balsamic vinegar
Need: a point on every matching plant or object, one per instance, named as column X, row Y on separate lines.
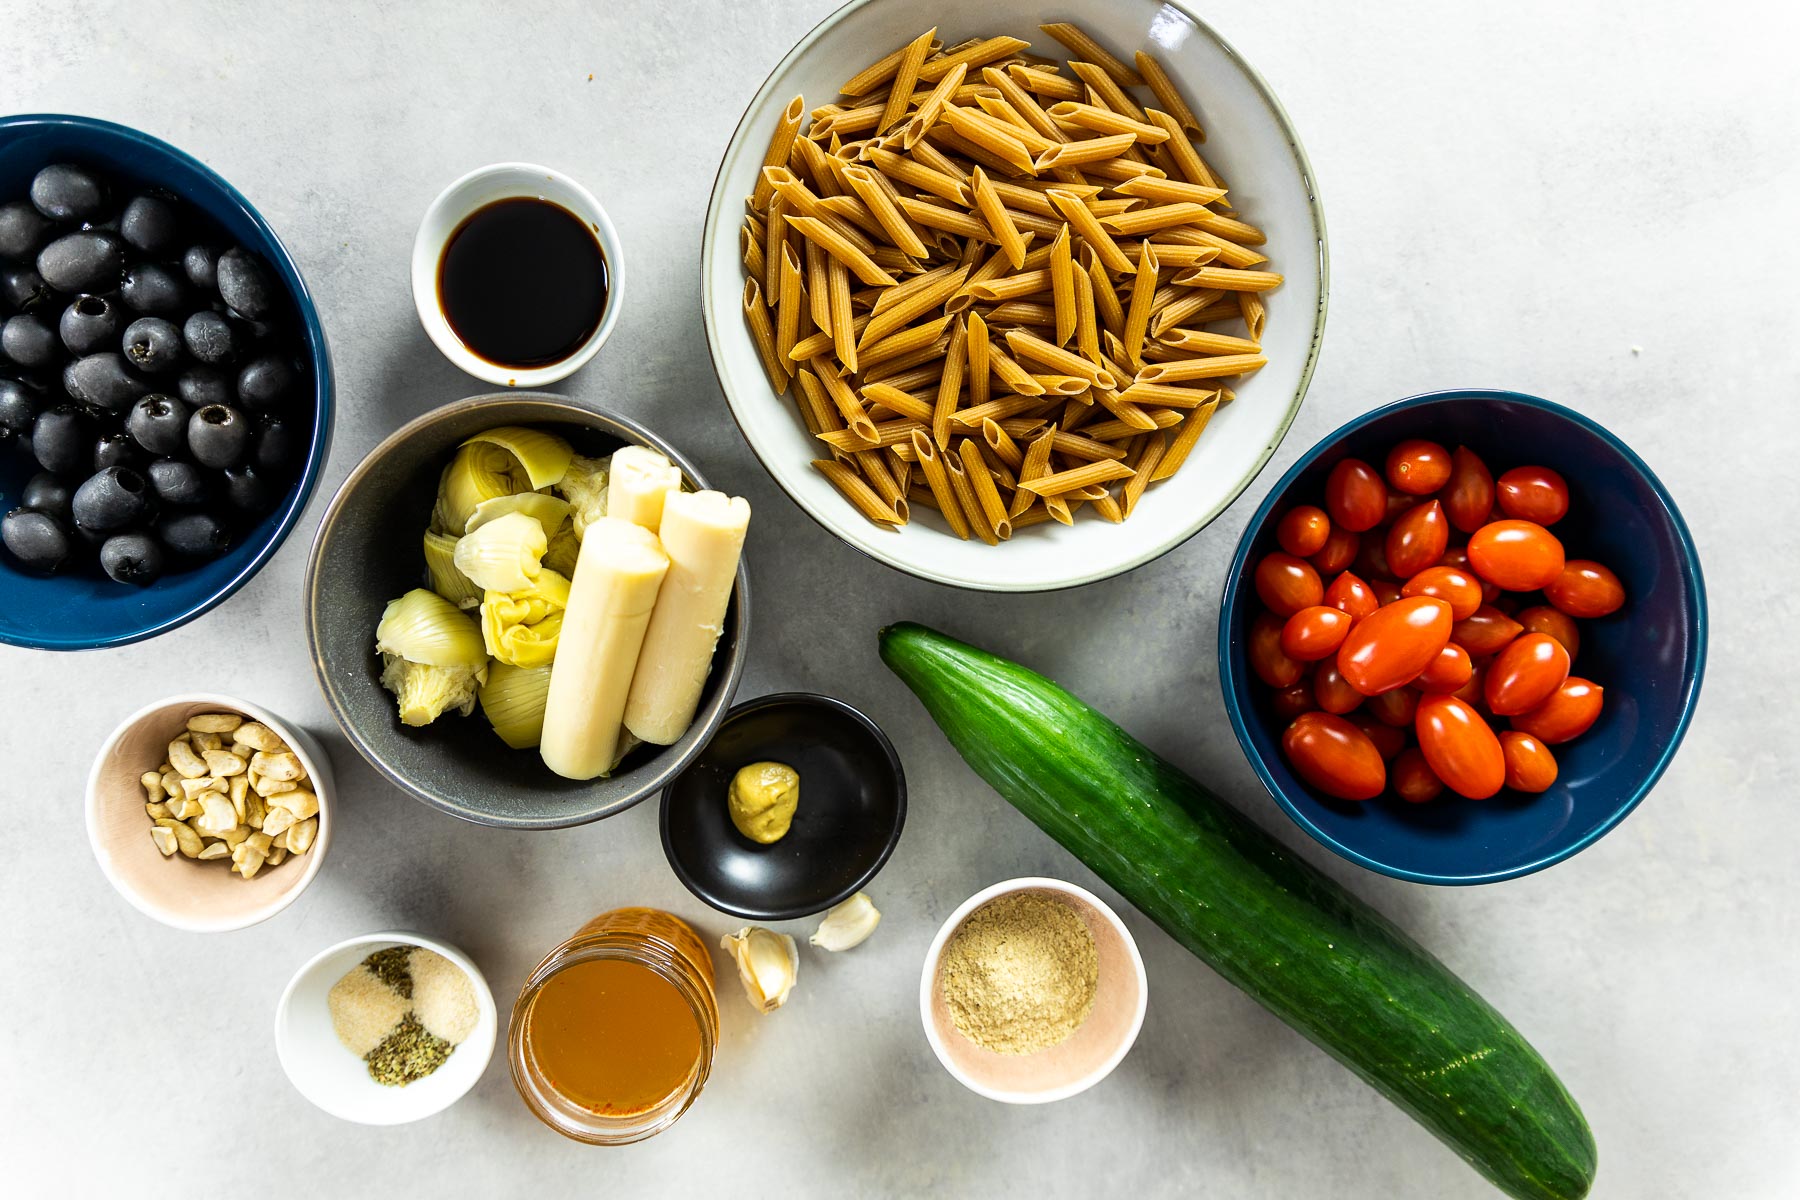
column 517, row 274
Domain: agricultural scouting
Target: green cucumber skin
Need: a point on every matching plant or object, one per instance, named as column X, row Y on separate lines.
column 1336, row 970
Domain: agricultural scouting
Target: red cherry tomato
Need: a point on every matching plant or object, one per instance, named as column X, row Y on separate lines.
column 1355, row 496
column 1338, row 552
column 1585, row 589
column 1350, row 594
column 1387, row 648
column 1469, row 496
column 1332, row 692
column 1485, row 633
column 1386, row 591
column 1388, row 740
column 1457, row 588
column 1287, row 584
column 1530, row 767
column 1396, row 707
column 1334, row 756
column 1460, row 747
column 1533, row 494
column 1523, row 675
column 1470, row 693
column 1520, row 556
column 1448, row 672
column 1457, row 556
column 1397, row 503
column 1542, row 618
column 1418, row 539
column 1303, row 531
column 1371, row 558
column 1418, row 467
column 1569, row 712
column 1291, row 702
column 1263, row 648
column 1315, row 633
column 1412, row 778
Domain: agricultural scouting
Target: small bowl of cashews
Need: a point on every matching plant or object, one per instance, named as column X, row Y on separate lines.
column 209, row 813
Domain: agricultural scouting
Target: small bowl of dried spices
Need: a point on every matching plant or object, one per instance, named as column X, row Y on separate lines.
column 1032, row 991
column 386, row 1028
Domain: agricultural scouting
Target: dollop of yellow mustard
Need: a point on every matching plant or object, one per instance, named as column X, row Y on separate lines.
column 762, row 800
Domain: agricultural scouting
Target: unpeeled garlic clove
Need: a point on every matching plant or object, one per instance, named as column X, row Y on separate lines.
column 767, row 962
column 848, row 924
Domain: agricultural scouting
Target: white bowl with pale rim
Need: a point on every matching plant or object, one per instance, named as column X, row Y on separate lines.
column 1255, row 149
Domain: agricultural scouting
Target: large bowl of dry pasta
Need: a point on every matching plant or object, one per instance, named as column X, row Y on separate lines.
column 1019, row 301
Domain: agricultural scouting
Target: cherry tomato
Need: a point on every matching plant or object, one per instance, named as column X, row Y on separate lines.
column 1315, row 633
column 1470, row 693
column 1303, row 531
column 1569, row 712
column 1387, row 648
column 1395, row 708
column 1448, row 672
column 1397, row 503
column 1457, row 556
column 1418, row 539
column 1530, row 767
column 1412, row 778
column 1485, row 633
column 1371, row 558
column 1386, row 590
column 1523, row 675
column 1350, row 594
column 1332, row 692
column 1287, row 584
column 1460, row 747
column 1457, row 588
column 1469, row 496
column 1291, row 702
column 1338, row 552
column 1585, row 589
column 1334, row 756
column 1355, row 496
column 1520, row 556
column 1263, row 649
column 1533, row 494
column 1418, row 467
column 1542, row 618
column 1388, row 740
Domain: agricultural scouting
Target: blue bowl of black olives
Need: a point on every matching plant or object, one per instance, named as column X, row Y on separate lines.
column 165, row 387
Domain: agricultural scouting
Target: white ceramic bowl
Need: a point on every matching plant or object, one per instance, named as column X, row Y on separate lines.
column 1089, row 1054
column 335, row 1079
column 203, row 897
column 454, row 205
column 1249, row 140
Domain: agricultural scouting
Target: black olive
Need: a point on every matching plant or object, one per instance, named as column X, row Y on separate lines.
column 35, row 539
column 64, row 192
column 29, row 341
column 152, row 345
column 49, row 495
column 23, row 231
column 135, row 558
column 158, row 423
column 59, row 440
column 176, row 481
column 194, row 534
column 150, row 224
column 244, row 283
column 22, row 289
column 209, row 337
column 102, row 381
column 109, row 499
column 89, row 325
column 152, row 290
column 218, row 436
column 19, row 405
column 203, row 385
column 89, row 260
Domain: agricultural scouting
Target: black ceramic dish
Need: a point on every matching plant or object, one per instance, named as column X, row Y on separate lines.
column 852, row 809
column 368, row 551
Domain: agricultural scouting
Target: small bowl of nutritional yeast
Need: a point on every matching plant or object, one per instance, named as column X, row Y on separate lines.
column 516, row 274
column 1032, row 991
column 386, row 1028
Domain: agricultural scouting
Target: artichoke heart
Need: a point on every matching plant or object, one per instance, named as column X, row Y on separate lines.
column 446, row 580
column 504, row 555
column 513, row 701
column 584, row 487
column 423, row 627
column 478, row 472
column 543, row 456
column 426, row 692
column 565, row 548
column 547, row 509
column 520, row 628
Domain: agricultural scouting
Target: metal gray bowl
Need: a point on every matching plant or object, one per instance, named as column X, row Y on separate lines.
column 367, row 552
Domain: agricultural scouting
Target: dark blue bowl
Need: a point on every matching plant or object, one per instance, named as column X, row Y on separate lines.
column 85, row 611
column 1649, row 656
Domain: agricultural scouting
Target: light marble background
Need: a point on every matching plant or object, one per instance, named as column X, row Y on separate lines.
column 1591, row 202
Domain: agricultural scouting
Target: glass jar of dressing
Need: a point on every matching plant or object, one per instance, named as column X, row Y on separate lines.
column 613, row 1034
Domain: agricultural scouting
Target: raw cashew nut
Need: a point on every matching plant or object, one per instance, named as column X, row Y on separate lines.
column 282, row 765
column 300, row 802
column 185, row 761
column 223, row 763
column 258, row 735
column 214, row 723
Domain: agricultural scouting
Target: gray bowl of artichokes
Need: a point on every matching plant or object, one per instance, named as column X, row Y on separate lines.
column 441, row 685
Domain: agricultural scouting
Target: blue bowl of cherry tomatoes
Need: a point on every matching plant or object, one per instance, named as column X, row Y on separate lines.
column 1463, row 636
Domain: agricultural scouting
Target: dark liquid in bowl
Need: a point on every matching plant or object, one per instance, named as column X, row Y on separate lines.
column 523, row 282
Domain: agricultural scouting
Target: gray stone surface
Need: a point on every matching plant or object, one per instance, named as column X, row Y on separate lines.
column 1592, row 203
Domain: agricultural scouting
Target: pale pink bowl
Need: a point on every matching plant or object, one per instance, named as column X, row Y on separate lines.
column 204, row 897
column 1090, row 1053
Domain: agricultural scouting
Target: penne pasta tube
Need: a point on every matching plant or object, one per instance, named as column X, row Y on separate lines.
column 1250, row 307
column 1228, row 279
column 906, row 341
column 843, row 320
column 1165, row 395
column 891, row 317
column 975, row 54
column 1088, row 449
column 855, row 417
column 790, row 305
column 871, row 78
column 932, row 107
column 976, row 350
column 881, row 481
column 966, row 499
column 1187, row 160
column 1071, row 113
column 999, row 146
column 950, row 220
column 1022, row 103
column 1103, row 92
column 1145, row 466
column 906, row 74
column 1182, row 307
column 1028, row 345
column 1086, row 49
column 1001, row 117
column 900, row 402
column 787, row 128
column 1209, row 343
column 1163, row 88
column 1146, row 220
column 762, row 333
column 1183, row 443
column 887, row 433
column 1112, row 431
column 1170, row 190
column 1011, row 287
column 816, row 408
column 861, row 496
column 937, row 481
column 1212, row 367
column 1076, row 478
column 1062, row 286
column 949, row 384
column 833, row 242
column 999, row 221
column 1087, row 226
column 987, row 496
column 1001, row 443
column 1040, row 82
column 969, row 420
column 818, row 287
column 1137, row 316
column 1087, row 150
column 1229, row 253
column 916, row 175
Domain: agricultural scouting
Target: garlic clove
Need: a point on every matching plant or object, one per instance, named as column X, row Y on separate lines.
column 848, row 924
column 767, row 962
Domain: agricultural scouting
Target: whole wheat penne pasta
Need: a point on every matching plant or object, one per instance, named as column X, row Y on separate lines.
column 903, row 403
column 910, row 379
column 849, row 407
column 1183, row 442
column 1255, row 315
column 1115, row 430
column 851, row 209
column 1085, row 48
column 819, row 341
column 1001, row 117
column 810, row 398
column 886, row 371
column 774, row 238
column 1076, row 478
column 969, row 420
column 1212, row 367
column 1087, row 323
column 756, row 313
column 1125, row 413
column 1028, row 345
column 790, row 305
column 871, row 77
column 833, row 242
column 1110, row 311
column 1103, row 92
column 1011, row 287
column 1137, row 316
column 887, row 215
column 950, row 384
column 1228, row 279
column 937, row 481
column 928, row 155
column 1231, row 229
column 1223, row 310
column 889, row 318
column 999, row 220
column 1022, row 312
column 811, row 163
column 1002, row 444
column 750, row 246
column 874, row 467
column 1155, row 446
column 950, row 220
column 1087, row 226
column 818, row 287
column 887, row 433
column 887, row 299
column 901, row 343
column 1062, row 385
column 861, row 496
column 976, row 54
column 1062, row 286
column 1035, row 465
column 1230, row 253
column 1167, row 395
column 1041, row 82
column 1202, row 342
column 1023, row 103
column 1146, row 220
column 981, row 482
column 906, row 74
column 1086, row 150
column 1186, row 158
column 1022, row 199
column 1175, row 255
column 787, row 128
column 1170, row 190
column 984, row 135
column 1082, row 448
column 843, row 319
column 1121, row 169
column 802, row 202
column 975, row 349
column 932, row 107
column 916, row 175
column 1184, row 305
column 1074, row 114
column 1042, row 230
column 966, row 498
column 1163, row 88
